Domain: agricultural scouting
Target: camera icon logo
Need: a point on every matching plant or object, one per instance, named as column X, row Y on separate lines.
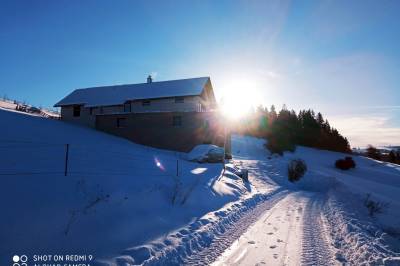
column 20, row 260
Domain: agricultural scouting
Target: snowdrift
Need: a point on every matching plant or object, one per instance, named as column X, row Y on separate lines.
column 206, row 153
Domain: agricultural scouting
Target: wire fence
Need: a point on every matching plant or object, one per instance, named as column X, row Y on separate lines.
column 26, row 157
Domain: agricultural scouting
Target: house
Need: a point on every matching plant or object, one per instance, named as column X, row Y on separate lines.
column 175, row 114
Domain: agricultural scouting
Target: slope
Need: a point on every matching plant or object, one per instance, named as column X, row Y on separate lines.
column 116, row 194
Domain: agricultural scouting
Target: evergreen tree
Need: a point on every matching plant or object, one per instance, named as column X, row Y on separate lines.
column 261, row 121
column 392, row 156
column 320, row 119
column 373, row 153
column 272, row 114
column 286, row 129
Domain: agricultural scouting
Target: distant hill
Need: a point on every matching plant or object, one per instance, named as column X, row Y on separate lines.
column 26, row 108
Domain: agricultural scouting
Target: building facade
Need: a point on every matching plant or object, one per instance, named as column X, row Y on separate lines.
column 175, row 115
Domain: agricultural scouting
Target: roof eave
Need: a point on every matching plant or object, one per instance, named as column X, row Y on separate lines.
column 67, row 104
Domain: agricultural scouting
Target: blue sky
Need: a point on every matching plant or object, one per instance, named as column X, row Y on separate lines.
column 338, row 57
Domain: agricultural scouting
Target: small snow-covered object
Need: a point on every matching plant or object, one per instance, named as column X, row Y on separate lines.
column 33, row 109
column 244, row 174
column 206, row 153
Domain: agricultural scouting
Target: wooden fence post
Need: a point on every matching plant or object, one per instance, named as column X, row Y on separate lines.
column 66, row 159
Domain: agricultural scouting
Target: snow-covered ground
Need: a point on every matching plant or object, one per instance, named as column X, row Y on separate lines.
column 116, row 196
column 277, row 238
column 322, row 219
column 125, row 204
column 7, row 104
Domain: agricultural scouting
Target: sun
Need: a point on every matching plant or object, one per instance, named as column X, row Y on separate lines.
column 238, row 100
column 235, row 106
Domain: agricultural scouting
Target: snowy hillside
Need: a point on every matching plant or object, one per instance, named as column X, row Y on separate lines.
column 128, row 205
column 116, row 195
column 27, row 109
column 322, row 220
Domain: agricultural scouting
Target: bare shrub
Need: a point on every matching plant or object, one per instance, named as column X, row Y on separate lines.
column 345, row 164
column 373, row 206
column 296, row 169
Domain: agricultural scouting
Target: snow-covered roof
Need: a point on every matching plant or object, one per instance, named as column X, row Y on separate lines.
column 118, row 94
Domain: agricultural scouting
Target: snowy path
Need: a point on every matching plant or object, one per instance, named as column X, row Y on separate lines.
column 289, row 233
column 292, row 232
column 221, row 243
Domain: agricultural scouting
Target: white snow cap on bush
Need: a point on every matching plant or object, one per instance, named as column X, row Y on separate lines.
column 206, row 153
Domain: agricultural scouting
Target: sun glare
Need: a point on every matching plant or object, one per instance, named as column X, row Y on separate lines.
column 238, row 99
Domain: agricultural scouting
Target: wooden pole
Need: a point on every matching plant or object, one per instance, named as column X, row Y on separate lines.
column 223, row 159
column 177, row 167
column 66, row 159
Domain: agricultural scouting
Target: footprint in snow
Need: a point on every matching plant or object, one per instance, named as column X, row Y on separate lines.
column 270, row 233
column 275, row 256
column 273, row 246
column 279, row 240
column 251, row 242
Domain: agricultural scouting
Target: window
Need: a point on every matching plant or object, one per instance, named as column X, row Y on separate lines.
column 77, row 110
column 145, row 102
column 121, row 122
column 200, row 108
column 179, row 99
column 91, row 110
column 127, row 107
column 177, row 120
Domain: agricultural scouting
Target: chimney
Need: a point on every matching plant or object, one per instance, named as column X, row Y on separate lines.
column 149, row 79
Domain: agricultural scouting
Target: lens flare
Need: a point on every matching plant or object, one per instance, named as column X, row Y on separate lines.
column 158, row 164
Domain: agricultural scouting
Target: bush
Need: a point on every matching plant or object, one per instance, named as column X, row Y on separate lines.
column 350, row 161
column 374, row 207
column 345, row 164
column 296, row 170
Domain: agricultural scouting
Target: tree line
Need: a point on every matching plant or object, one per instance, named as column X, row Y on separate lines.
column 285, row 129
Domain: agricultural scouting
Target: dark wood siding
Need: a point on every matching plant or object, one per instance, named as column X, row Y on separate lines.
column 158, row 129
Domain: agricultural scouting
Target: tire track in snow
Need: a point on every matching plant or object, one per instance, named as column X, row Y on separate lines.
column 285, row 256
column 316, row 248
column 221, row 243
